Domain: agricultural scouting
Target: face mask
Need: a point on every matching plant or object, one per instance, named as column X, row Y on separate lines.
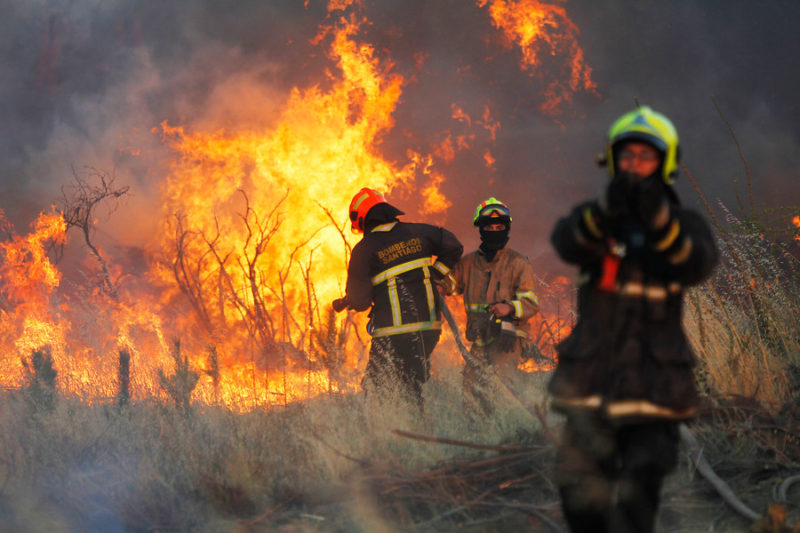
column 492, row 241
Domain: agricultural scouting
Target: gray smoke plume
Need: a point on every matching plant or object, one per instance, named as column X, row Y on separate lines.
column 84, row 83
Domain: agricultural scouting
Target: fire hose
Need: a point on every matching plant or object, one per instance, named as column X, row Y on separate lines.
column 469, row 359
column 451, row 321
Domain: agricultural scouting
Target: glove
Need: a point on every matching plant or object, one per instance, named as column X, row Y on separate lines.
column 650, row 200
column 615, row 200
column 508, row 336
column 446, row 284
column 477, row 327
column 339, row 304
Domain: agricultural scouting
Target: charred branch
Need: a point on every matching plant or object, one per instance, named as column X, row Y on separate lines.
column 124, row 392
column 340, row 230
column 188, row 272
column 41, row 379
column 181, row 383
column 80, row 201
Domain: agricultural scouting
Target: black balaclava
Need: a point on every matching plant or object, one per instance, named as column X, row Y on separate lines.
column 380, row 214
column 493, row 241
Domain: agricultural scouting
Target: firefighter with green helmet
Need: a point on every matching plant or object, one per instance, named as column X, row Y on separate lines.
column 624, row 378
column 498, row 287
column 393, row 272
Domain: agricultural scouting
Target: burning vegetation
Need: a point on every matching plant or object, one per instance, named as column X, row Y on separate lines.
column 250, row 246
column 137, row 393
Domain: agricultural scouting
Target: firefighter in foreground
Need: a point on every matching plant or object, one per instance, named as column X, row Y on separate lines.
column 392, row 269
column 624, row 377
column 497, row 283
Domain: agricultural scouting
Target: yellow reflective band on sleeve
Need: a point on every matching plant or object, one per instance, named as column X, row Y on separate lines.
column 530, row 295
column 589, row 220
column 517, row 305
column 651, row 292
column 477, row 308
column 645, row 408
column 624, row 408
column 672, row 234
column 401, row 269
column 385, row 227
column 683, row 254
column 584, row 402
column 441, row 267
column 578, row 234
column 406, row 328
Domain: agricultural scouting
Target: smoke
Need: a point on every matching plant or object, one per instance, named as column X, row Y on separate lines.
column 86, row 83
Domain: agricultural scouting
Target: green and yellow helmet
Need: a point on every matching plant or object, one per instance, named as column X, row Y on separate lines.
column 491, row 211
column 645, row 125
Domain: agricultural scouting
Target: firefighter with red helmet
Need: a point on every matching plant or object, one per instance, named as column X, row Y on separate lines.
column 624, row 378
column 394, row 270
column 498, row 287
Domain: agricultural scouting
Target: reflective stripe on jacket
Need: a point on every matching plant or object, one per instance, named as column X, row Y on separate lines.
column 507, row 278
column 628, row 355
column 393, row 269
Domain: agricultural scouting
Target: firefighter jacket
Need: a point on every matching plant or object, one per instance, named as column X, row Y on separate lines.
column 628, row 355
column 393, row 268
column 507, row 278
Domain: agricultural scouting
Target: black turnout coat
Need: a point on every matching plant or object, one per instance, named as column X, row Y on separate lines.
column 393, row 268
column 628, row 355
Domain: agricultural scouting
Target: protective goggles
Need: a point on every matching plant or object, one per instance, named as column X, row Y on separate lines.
column 495, row 211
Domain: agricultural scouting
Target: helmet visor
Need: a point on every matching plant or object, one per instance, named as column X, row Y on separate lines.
column 493, row 214
column 494, row 211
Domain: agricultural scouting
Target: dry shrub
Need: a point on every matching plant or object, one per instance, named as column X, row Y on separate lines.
column 743, row 323
column 153, row 466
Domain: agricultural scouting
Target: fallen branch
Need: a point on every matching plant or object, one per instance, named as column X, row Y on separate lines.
column 536, row 510
column 703, row 466
column 357, row 460
column 465, row 444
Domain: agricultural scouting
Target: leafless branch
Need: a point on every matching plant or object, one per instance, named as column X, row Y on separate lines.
column 79, row 203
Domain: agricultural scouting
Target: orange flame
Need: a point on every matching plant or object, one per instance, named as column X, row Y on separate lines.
column 796, row 222
column 536, row 26
column 250, row 215
column 249, row 250
column 27, row 281
column 433, row 200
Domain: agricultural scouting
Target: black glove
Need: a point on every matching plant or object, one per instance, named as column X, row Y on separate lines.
column 508, row 336
column 339, row 304
column 616, row 200
column 477, row 327
column 649, row 198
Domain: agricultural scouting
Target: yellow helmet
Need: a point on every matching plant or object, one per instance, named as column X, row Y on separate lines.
column 491, row 210
column 645, row 125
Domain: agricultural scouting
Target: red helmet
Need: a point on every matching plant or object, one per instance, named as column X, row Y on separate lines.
column 362, row 202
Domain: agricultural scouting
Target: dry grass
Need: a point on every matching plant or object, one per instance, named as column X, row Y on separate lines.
column 333, row 463
column 743, row 323
column 160, row 467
